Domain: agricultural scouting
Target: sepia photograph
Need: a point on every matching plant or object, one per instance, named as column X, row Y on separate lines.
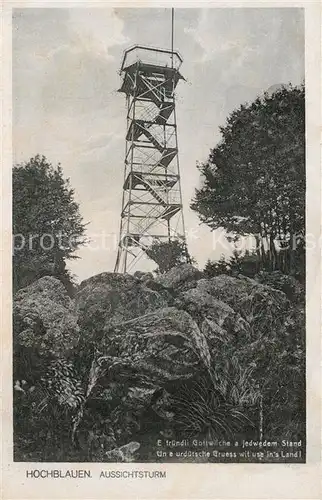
column 158, row 237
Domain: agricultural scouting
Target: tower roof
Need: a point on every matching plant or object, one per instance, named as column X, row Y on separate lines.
column 150, row 56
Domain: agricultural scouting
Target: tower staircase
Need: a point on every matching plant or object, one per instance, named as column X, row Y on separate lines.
column 152, row 203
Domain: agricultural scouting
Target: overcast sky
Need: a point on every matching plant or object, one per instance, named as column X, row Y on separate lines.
column 65, row 104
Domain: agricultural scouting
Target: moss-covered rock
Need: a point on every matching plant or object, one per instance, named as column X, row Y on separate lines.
column 45, row 318
column 180, row 277
column 109, row 298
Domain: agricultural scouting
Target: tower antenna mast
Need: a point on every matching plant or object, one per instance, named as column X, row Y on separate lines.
column 172, row 35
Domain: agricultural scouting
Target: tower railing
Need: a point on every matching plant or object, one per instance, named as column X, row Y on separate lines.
column 150, row 55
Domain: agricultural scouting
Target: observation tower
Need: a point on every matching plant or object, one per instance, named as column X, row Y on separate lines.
column 152, row 200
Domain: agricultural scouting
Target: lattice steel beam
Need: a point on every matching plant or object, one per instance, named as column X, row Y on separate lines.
column 152, row 199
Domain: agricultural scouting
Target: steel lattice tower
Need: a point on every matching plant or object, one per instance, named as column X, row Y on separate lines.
column 152, row 200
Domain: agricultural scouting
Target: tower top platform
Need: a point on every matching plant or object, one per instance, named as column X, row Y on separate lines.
column 150, row 56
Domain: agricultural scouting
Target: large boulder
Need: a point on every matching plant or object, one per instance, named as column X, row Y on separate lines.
column 145, row 343
column 203, row 306
column 110, row 298
column 140, row 355
column 153, row 349
column 45, row 318
column 137, row 361
column 180, row 276
column 261, row 306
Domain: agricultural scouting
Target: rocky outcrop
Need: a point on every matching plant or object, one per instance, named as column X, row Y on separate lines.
column 259, row 305
column 202, row 305
column 142, row 276
column 111, row 298
column 180, row 277
column 158, row 347
column 119, row 353
column 46, row 336
column 45, row 318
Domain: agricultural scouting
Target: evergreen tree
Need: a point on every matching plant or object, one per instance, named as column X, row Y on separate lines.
column 47, row 225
